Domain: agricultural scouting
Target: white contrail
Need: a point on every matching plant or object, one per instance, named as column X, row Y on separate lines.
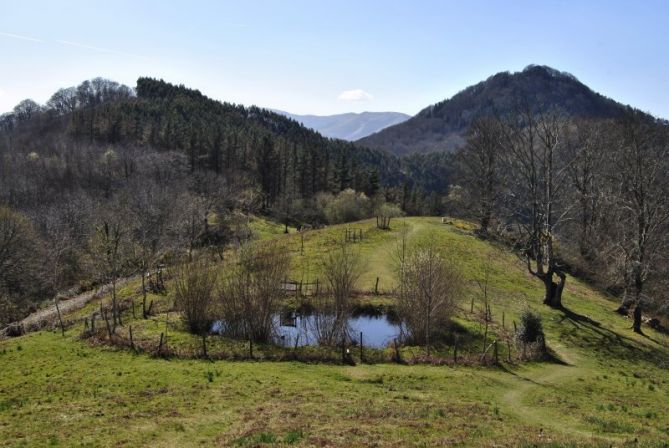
column 17, row 36
column 99, row 49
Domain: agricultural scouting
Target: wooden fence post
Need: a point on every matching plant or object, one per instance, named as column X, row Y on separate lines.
column 361, row 349
column 132, row 342
column 398, row 359
column 496, row 353
column 302, row 241
column 508, row 343
column 485, row 335
column 104, row 315
column 60, row 319
column 160, row 344
column 376, row 287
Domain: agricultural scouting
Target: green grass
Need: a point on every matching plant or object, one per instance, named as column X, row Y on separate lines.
column 610, row 388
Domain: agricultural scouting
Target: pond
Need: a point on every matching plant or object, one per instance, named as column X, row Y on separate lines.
column 378, row 331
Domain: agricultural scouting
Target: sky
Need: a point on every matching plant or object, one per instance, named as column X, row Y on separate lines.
column 323, row 57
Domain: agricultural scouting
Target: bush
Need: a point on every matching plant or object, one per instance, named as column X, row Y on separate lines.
column 251, row 292
column 428, row 286
column 384, row 213
column 347, row 206
column 194, row 290
column 530, row 330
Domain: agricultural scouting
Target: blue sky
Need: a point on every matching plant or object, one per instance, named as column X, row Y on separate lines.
column 329, row 57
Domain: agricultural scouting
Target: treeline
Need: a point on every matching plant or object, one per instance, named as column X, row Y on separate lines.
column 581, row 196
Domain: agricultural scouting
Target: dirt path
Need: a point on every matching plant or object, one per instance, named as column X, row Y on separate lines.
column 41, row 318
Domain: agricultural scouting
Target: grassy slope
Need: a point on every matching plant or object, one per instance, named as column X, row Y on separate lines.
column 612, row 388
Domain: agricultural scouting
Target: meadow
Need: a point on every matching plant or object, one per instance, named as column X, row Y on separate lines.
column 604, row 386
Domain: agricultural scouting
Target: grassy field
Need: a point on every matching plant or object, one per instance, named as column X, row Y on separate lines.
column 608, row 386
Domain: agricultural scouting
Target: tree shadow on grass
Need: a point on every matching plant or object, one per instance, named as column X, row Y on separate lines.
column 613, row 344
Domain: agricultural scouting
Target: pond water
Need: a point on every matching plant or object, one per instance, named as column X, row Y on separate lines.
column 378, row 331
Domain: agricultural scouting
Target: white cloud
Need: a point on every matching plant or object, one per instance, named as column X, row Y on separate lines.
column 355, row 95
column 2, row 92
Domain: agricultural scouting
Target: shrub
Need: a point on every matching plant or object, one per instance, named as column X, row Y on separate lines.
column 251, row 292
column 428, row 287
column 194, row 291
column 347, row 206
column 531, row 329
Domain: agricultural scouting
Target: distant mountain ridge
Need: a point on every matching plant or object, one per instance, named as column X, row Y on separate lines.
column 350, row 126
column 442, row 126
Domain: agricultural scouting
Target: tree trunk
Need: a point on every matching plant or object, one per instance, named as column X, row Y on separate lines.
column 114, row 307
column 553, row 291
column 144, row 294
column 484, row 223
column 636, row 326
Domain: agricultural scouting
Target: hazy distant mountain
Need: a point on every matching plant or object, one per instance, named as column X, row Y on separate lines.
column 350, row 126
column 442, row 126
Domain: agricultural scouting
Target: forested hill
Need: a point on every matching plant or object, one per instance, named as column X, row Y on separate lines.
column 285, row 157
column 442, row 126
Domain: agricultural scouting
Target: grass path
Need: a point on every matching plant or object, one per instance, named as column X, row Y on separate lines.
column 550, row 376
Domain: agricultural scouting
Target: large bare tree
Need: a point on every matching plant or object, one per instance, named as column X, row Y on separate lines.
column 642, row 202
column 537, row 167
column 480, row 160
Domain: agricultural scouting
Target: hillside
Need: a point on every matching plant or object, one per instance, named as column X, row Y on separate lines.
column 216, row 136
column 49, row 394
column 441, row 127
column 350, row 126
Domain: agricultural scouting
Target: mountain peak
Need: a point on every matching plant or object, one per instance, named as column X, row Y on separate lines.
column 442, row 126
column 545, row 70
column 349, row 126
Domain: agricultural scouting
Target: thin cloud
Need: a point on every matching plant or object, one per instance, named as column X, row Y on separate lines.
column 355, row 95
column 18, row 36
column 2, row 92
column 99, row 49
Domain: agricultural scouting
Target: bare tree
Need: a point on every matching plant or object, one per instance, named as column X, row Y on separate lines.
column 109, row 246
column 342, row 268
column 194, row 294
column 537, row 170
column 642, row 201
column 149, row 214
column 480, row 159
column 252, row 291
column 20, row 251
column 587, row 144
column 428, row 287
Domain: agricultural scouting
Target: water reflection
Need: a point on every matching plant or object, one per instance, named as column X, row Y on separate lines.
column 294, row 329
